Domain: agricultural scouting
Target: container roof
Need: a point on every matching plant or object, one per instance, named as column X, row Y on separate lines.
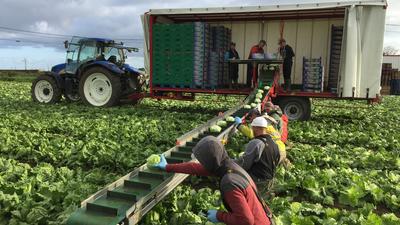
column 269, row 7
column 266, row 11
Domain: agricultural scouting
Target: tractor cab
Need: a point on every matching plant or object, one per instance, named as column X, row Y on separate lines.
column 84, row 50
column 95, row 72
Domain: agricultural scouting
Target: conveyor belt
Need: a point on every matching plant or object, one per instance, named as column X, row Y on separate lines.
column 126, row 200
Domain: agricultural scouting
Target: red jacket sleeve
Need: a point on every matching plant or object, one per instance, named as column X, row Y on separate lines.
column 241, row 213
column 188, row 168
column 254, row 49
column 285, row 133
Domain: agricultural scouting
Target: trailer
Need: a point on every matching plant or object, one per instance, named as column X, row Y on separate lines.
column 343, row 41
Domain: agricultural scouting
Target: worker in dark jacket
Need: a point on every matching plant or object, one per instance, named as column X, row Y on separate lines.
column 261, row 156
column 256, row 49
column 287, row 54
column 233, row 67
column 238, row 190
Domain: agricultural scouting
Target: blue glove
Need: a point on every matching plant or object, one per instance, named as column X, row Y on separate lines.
column 238, row 120
column 162, row 164
column 212, row 216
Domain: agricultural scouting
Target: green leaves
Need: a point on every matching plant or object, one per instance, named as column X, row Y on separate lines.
column 351, row 196
column 372, row 219
column 390, row 219
column 185, row 206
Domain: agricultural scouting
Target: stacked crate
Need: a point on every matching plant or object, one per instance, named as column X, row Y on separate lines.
column 190, row 55
column 218, row 69
column 227, row 45
column 313, row 75
column 388, row 79
column 201, row 53
column 387, row 74
column 212, row 78
column 173, row 55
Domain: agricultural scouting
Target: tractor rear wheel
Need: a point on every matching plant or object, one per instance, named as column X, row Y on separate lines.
column 45, row 90
column 100, row 87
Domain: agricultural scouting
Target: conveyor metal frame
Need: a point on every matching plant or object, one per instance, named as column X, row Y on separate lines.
column 146, row 203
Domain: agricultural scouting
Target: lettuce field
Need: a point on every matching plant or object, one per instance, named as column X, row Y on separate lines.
column 345, row 160
column 53, row 157
column 346, row 170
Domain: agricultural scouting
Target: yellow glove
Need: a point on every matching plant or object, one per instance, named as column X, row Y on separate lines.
column 224, row 141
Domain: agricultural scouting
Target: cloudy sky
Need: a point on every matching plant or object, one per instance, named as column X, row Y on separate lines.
column 117, row 19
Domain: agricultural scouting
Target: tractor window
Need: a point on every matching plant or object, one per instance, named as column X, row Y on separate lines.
column 72, row 53
column 112, row 54
column 88, row 52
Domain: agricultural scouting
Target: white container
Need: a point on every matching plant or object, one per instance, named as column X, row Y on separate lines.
column 258, row 56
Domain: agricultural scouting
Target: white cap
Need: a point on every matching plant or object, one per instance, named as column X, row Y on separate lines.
column 259, row 122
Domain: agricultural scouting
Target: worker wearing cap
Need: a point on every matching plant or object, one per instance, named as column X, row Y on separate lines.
column 270, row 130
column 256, row 49
column 251, row 115
column 238, row 190
column 287, row 54
column 261, row 156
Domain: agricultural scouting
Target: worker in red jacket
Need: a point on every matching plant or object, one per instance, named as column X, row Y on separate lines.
column 238, row 190
column 259, row 48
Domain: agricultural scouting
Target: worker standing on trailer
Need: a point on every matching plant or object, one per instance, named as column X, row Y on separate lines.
column 233, row 67
column 239, row 193
column 261, row 156
column 287, row 54
column 254, row 51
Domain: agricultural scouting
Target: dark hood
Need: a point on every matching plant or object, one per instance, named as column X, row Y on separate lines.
column 212, row 155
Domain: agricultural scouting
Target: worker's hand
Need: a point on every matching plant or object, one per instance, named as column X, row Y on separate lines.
column 162, row 164
column 238, row 120
column 212, row 215
column 287, row 164
column 241, row 154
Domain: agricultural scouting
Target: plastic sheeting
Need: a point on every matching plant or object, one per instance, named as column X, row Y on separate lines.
column 361, row 60
column 146, row 47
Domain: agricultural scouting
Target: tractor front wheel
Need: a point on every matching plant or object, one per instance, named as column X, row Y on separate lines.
column 99, row 87
column 45, row 90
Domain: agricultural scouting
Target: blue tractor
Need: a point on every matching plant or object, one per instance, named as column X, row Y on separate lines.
column 95, row 73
